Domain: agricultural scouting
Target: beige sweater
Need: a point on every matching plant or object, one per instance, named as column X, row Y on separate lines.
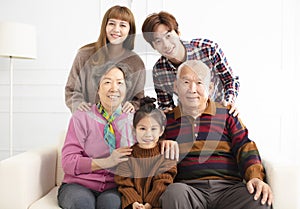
column 80, row 86
column 144, row 177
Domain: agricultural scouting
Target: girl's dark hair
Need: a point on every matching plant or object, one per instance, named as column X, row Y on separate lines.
column 148, row 109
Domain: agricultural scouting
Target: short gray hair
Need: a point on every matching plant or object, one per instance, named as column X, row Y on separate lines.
column 199, row 68
column 100, row 71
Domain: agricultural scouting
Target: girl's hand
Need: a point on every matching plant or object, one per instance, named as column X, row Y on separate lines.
column 148, row 206
column 128, row 107
column 137, row 205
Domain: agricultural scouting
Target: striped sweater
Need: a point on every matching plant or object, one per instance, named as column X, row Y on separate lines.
column 144, row 177
column 213, row 146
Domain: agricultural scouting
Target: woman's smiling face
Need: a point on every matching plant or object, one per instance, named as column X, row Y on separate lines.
column 112, row 89
column 117, row 31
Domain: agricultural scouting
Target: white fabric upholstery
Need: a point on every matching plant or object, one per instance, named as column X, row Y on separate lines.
column 27, row 177
column 49, row 201
column 285, row 183
column 30, row 181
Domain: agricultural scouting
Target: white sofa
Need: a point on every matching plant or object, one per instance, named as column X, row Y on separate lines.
column 31, row 179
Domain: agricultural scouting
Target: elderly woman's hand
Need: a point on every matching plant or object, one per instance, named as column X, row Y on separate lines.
column 128, row 107
column 116, row 157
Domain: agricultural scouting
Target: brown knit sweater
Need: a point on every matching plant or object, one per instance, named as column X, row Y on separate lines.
column 144, row 177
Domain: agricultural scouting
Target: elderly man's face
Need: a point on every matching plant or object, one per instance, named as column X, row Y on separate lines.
column 112, row 89
column 191, row 89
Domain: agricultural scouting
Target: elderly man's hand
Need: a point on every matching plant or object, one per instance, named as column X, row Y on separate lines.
column 260, row 188
column 170, row 149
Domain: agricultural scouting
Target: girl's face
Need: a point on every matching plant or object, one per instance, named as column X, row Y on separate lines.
column 148, row 132
column 112, row 89
column 117, row 31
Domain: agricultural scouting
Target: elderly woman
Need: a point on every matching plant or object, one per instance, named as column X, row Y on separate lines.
column 95, row 143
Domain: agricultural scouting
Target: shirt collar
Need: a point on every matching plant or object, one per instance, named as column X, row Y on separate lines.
column 209, row 110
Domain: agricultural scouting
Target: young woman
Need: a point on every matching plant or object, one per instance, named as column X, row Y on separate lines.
column 115, row 43
column 145, row 176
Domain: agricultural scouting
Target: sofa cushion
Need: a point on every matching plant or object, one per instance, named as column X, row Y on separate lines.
column 59, row 170
column 49, row 201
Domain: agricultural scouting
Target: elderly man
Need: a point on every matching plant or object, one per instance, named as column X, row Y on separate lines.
column 216, row 155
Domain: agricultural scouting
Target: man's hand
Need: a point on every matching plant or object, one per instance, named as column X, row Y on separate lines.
column 167, row 109
column 261, row 188
column 170, row 149
column 233, row 110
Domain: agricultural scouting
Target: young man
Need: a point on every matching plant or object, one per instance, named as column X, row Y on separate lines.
column 160, row 30
column 216, row 155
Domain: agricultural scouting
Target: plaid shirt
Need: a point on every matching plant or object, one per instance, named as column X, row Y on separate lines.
column 164, row 73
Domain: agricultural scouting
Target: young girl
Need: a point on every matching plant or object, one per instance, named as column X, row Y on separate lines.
column 115, row 43
column 144, row 177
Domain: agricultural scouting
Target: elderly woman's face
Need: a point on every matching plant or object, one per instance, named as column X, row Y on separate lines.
column 112, row 89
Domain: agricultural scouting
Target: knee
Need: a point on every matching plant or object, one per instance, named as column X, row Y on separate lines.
column 174, row 190
column 80, row 203
column 109, row 200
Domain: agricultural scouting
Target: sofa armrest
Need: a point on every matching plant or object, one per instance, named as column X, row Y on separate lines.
column 285, row 183
column 26, row 177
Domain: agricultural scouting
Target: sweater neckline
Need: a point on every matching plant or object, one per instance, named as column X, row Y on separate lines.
column 146, row 152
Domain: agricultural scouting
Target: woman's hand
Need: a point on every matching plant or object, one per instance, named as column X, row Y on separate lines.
column 116, row 157
column 83, row 106
column 128, row 107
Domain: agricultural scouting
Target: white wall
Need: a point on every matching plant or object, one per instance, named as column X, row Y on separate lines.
column 259, row 38
column 40, row 114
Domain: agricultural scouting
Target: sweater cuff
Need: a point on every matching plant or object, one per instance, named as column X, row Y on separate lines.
column 255, row 171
